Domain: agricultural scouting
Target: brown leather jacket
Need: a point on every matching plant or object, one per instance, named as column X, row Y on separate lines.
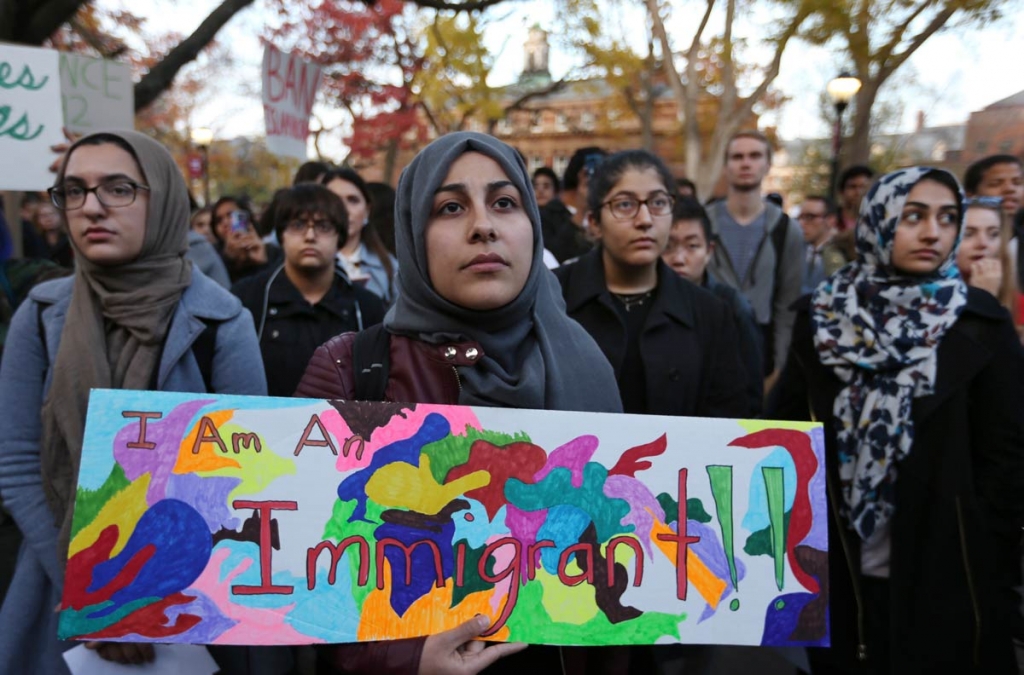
column 424, row 373
column 419, row 372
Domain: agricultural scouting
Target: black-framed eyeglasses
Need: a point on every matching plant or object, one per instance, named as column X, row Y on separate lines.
column 112, row 194
column 984, row 202
column 810, row 216
column 319, row 225
column 624, row 208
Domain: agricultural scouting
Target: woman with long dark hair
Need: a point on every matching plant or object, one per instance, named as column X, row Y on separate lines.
column 365, row 258
column 919, row 380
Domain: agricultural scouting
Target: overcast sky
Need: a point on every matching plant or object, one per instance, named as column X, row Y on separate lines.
column 954, row 73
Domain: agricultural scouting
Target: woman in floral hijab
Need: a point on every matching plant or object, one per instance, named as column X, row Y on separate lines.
column 919, row 381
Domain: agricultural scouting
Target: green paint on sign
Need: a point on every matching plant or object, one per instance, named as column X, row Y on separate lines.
column 735, row 604
column 471, row 575
column 453, row 450
column 89, row 502
column 531, row 623
column 760, row 542
column 773, row 484
column 694, row 509
column 780, row 604
column 721, row 490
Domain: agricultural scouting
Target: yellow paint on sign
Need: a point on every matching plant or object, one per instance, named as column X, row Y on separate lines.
column 401, row 485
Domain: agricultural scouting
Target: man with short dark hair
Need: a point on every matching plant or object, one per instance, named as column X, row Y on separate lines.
column 758, row 250
column 817, row 220
column 562, row 218
column 854, row 182
column 306, row 301
column 1002, row 176
column 688, row 252
column 546, row 185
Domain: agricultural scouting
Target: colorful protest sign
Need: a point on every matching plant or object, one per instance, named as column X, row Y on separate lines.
column 242, row 520
column 30, row 116
column 96, row 93
column 289, row 90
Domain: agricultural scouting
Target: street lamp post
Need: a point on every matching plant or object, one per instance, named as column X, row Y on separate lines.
column 841, row 90
column 203, row 137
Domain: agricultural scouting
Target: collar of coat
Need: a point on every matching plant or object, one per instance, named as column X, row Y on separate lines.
column 672, row 298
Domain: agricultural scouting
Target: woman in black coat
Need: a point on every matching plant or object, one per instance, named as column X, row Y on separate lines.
column 919, row 381
column 672, row 344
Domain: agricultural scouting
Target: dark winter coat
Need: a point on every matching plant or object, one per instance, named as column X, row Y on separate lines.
column 959, row 500
column 290, row 328
column 689, row 346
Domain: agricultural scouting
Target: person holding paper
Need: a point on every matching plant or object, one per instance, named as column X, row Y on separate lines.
column 478, row 320
column 135, row 315
column 919, row 380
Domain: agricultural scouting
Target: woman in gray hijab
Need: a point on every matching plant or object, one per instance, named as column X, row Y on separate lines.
column 135, row 315
column 478, row 320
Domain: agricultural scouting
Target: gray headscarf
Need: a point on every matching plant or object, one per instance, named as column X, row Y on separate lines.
column 117, row 321
column 535, row 356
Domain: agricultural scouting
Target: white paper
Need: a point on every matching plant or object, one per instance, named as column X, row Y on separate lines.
column 96, row 94
column 289, row 89
column 170, row 660
column 30, row 116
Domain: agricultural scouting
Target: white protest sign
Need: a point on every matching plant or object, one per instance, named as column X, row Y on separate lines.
column 30, row 116
column 289, row 89
column 97, row 94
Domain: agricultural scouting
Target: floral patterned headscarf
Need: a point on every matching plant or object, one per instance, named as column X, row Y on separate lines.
column 879, row 329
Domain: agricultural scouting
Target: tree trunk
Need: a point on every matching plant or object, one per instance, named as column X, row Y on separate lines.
column 857, row 148
column 390, row 159
column 161, row 76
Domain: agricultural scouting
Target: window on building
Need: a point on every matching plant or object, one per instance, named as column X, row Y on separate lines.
column 504, row 126
column 537, row 122
column 939, row 152
column 561, row 122
column 587, row 120
column 536, row 162
column 560, row 164
column 1005, row 147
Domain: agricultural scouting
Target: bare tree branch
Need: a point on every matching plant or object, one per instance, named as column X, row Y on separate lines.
column 162, row 75
column 468, row 6
column 536, row 93
column 936, row 23
column 45, row 20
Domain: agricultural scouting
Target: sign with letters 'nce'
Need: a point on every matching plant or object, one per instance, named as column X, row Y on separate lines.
column 41, row 91
column 244, row 520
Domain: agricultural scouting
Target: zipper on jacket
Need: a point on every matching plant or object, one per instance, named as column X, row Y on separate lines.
column 970, row 581
column 862, row 647
column 458, row 380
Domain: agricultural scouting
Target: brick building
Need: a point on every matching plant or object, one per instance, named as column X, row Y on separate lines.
column 996, row 129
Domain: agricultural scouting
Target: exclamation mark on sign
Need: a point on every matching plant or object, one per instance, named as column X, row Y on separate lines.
column 773, row 483
column 721, row 490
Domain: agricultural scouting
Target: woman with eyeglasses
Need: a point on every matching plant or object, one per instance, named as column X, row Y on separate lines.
column 304, row 302
column 984, row 256
column 919, row 381
column 135, row 315
column 672, row 344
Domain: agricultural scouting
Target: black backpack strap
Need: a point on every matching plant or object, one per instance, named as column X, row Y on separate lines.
column 203, row 350
column 371, row 363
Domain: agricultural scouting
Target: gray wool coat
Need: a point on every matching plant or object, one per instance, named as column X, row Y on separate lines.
column 28, row 622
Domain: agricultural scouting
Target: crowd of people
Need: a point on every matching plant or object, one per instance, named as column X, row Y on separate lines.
column 891, row 316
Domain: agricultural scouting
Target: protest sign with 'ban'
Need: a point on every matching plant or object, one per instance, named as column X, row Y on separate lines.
column 246, row 520
column 289, row 89
column 30, row 116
